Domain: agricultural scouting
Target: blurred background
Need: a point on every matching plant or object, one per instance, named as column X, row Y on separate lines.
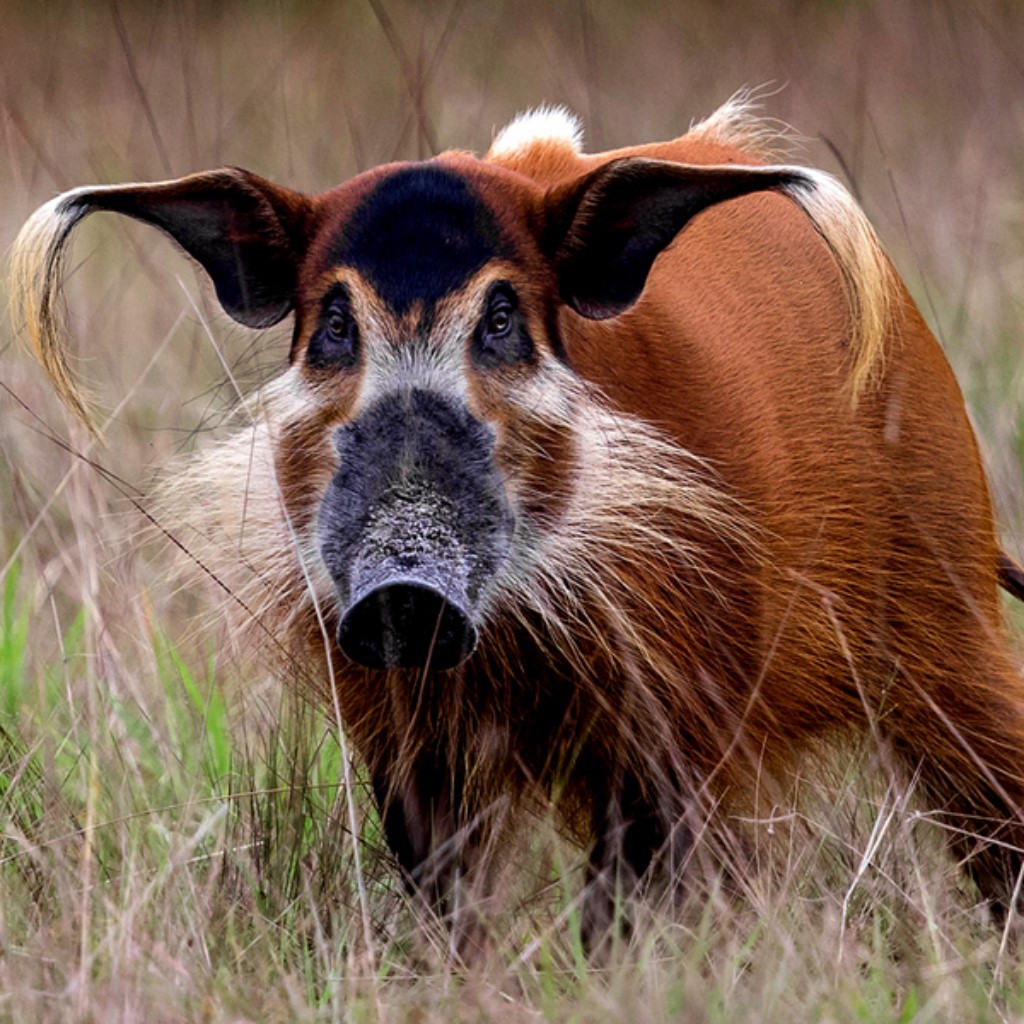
column 917, row 106
column 151, row 868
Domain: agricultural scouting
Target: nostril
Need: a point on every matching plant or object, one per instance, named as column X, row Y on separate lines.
column 406, row 625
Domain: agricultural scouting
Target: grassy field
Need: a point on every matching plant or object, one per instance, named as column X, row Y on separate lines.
column 176, row 834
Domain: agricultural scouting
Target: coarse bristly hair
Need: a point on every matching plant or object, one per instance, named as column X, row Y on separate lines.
column 650, row 652
column 640, row 507
column 739, row 123
column 639, row 511
column 599, row 588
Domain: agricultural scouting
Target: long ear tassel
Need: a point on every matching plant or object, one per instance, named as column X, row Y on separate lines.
column 245, row 231
column 868, row 278
column 604, row 230
column 35, row 277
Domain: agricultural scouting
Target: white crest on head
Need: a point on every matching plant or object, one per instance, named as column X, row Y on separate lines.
column 545, row 123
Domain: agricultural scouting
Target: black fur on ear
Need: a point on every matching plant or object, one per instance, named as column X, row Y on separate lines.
column 247, row 233
column 603, row 231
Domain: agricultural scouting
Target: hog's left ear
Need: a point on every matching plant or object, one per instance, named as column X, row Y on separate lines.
column 246, row 232
column 603, row 232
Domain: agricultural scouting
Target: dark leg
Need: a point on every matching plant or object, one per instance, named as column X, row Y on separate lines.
column 419, row 818
column 444, row 856
column 631, row 833
column 967, row 747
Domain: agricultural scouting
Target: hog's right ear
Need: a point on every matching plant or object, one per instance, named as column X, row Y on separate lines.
column 247, row 233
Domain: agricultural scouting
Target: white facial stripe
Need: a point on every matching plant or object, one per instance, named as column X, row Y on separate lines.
column 397, row 353
column 548, row 394
column 435, row 366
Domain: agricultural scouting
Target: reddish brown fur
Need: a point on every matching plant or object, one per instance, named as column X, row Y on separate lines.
column 873, row 599
column 877, row 597
column 854, row 589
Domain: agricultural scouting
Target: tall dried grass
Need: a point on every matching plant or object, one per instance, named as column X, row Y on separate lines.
column 164, row 856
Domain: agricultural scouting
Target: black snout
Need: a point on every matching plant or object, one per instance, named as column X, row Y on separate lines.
column 406, row 625
column 413, row 528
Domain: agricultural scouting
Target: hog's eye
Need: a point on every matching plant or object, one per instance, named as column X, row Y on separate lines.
column 337, row 325
column 335, row 342
column 502, row 338
column 499, row 319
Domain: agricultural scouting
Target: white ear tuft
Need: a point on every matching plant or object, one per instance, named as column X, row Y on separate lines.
column 738, row 123
column 545, row 123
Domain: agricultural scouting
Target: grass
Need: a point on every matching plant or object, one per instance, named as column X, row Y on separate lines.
column 161, row 860
column 175, row 840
